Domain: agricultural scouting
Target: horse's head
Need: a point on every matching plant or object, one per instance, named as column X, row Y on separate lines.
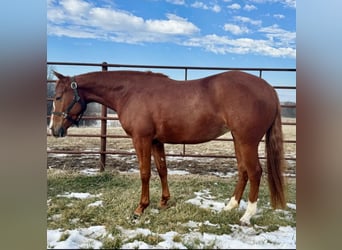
column 68, row 105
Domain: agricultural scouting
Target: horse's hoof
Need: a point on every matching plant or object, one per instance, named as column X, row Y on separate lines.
column 245, row 223
column 135, row 216
column 163, row 206
column 134, row 219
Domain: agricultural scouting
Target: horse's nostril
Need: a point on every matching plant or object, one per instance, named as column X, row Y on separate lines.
column 60, row 132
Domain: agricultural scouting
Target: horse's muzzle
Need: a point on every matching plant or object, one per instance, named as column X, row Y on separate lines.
column 60, row 132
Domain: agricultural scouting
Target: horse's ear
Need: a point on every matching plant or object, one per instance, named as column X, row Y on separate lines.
column 58, row 75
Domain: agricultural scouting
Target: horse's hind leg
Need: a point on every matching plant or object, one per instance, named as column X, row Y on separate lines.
column 249, row 153
column 249, row 169
column 159, row 159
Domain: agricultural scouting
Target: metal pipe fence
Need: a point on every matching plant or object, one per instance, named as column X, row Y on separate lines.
column 104, row 114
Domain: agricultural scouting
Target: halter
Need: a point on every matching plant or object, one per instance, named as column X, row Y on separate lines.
column 76, row 99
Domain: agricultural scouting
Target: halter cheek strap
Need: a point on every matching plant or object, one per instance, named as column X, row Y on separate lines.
column 76, row 99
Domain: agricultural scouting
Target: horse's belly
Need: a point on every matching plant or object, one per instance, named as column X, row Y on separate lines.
column 191, row 134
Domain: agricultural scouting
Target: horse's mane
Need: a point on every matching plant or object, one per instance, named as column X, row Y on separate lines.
column 155, row 74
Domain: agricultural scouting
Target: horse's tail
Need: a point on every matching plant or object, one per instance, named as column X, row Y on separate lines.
column 275, row 161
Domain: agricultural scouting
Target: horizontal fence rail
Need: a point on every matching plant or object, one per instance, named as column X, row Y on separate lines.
column 104, row 117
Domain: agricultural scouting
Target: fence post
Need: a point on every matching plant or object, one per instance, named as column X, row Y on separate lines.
column 185, row 78
column 103, row 130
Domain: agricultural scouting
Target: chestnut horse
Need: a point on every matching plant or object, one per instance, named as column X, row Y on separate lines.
column 154, row 109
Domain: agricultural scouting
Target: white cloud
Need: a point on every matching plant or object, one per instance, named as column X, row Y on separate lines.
column 279, row 16
column 235, row 29
column 277, row 42
column 290, row 3
column 247, row 20
column 80, row 19
column 224, row 45
column 287, row 3
column 177, row 2
column 200, row 5
column 113, row 20
column 234, row 6
column 216, row 8
column 249, row 7
column 279, row 36
column 174, row 25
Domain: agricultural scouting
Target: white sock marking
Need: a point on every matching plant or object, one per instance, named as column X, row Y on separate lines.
column 231, row 204
column 250, row 211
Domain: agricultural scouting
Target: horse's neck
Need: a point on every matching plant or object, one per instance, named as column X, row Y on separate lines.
column 104, row 90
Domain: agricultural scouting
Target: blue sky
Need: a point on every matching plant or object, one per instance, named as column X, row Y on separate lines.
column 214, row 33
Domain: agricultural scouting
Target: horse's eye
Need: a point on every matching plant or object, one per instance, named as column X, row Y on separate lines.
column 58, row 98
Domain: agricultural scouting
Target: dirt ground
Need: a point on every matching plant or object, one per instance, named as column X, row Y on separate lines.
column 194, row 165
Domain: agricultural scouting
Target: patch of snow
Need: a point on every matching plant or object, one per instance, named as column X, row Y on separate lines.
column 133, row 233
column 55, row 217
column 168, row 242
column 78, row 195
column 194, row 224
column 282, row 238
column 131, row 170
column 203, row 199
column 77, row 238
column 291, row 206
column 223, row 175
column 74, row 221
column 177, row 172
column 154, row 211
column 191, row 224
column 96, row 204
column 241, row 237
column 207, row 223
column 90, row 171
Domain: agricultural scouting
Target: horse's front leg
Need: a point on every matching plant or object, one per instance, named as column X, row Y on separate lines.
column 159, row 159
column 142, row 147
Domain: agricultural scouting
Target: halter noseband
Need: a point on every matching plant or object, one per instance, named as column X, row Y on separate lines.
column 76, row 99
